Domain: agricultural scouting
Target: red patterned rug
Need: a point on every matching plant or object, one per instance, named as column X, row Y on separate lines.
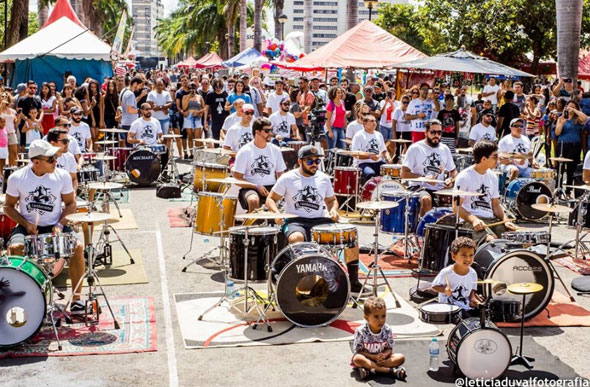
column 137, row 320
column 177, row 217
column 580, row 266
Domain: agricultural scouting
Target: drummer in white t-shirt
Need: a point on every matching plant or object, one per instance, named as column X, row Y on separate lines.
column 373, row 153
column 484, row 130
column 145, row 130
column 586, row 169
column 515, row 142
column 479, row 211
column 309, row 194
column 39, row 189
column 260, row 163
column 240, row 134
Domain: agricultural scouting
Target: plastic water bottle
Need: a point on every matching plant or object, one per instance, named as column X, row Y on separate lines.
column 206, row 240
column 433, row 351
column 229, row 288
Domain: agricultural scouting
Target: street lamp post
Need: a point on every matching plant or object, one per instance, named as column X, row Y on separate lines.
column 371, row 4
column 283, row 19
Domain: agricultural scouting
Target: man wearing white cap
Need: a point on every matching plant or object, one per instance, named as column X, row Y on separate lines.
column 239, row 135
column 515, row 142
column 39, row 190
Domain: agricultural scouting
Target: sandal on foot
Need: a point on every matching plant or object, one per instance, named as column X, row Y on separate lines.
column 398, row 372
column 363, row 373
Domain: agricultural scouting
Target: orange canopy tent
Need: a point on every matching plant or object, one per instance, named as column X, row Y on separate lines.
column 188, row 62
column 209, row 61
column 363, row 46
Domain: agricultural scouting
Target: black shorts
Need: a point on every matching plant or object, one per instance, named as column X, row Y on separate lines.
column 245, row 192
column 18, row 234
column 304, row 226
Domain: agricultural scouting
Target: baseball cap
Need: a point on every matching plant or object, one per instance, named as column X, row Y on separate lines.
column 309, row 150
column 21, row 87
column 515, row 120
column 247, row 106
column 244, row 76
column 487, row 111
column 42, row 148
column 76, row 109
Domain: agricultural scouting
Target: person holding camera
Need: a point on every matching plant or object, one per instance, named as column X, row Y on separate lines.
column 569, row 138
column 564, row 89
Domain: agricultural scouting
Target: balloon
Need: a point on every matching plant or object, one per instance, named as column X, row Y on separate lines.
column 301, row 55
column 265, row 66
column 277, row 51
column 273, row 46
column 290, row 59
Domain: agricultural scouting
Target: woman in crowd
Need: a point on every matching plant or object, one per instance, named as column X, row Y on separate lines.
column 67, row 92
column 533, row 116
column 335, row 118
column 193, row 107
column 109, row 102
column 11, row 120
column 569, row 138
column 49, row 106
column 238, row 93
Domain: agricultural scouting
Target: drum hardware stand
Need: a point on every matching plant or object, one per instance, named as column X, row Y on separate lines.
column 106, row 257
column 91, row 304
column 518, row 358
column 249, row 292
column 374, row 267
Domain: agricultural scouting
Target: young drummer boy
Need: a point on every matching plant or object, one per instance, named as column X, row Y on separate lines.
column 373, row 343
column 456, row 283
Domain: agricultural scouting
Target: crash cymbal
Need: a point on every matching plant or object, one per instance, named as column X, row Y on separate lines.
column 105, row 186
column 401, row 141
column 583, row 187
column 457, row 192
column 489, row 281
column 208, row 141
column 560, row 159
column 220, row 151
column 424, row 180
column 555, row 208
column 377, row 205
column 525, row 288
column 107, row 142
column 515, row 155
column 230, row 180
column 265, row 215
column 464, row 150
column 105, row 158
column 91, row 217
column 351, row 153
column 113, row 130
column 168, row 136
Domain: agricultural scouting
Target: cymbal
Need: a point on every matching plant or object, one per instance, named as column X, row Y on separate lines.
column 377, row 205
column 489, row 281
column 219, row 151
column 423, row 179
column 113, row 130
column 105, row 186
column 464, row 150
column 525, row 288
column 287, row 149
column 105, row 158
column 167, row 136
column 208, row 140
column 90, row 217
column 561, row 159
column 265, row 215
column 457, row 192
column 583, row 187
column 230, row 180
column 106, row 142
column 350, row 153
column 551, row 208
column 515, row 155
column 348, row 141
column 401, row 140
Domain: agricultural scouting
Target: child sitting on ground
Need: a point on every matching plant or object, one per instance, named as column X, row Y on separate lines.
column 456, row 283
column 373, row 343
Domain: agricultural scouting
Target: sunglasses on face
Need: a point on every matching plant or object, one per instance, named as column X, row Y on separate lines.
column 249, row 113
column 415, row 92
column 64, row 141
column 286, row 103
column 49, row 160
column 518, row 126
column 405, row 102
column 266, row 130
column 311, row 162
column 436, row 132
column 77, row 114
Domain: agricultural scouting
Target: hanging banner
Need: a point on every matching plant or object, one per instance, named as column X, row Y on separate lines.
column 118, row 42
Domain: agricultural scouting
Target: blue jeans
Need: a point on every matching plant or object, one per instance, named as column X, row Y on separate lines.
column 369, row 170
column 165, row 123
column 337, row 141
column 282, row 143
column 386, row 132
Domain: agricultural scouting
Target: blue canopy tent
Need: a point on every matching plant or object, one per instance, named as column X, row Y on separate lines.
column 244, row 58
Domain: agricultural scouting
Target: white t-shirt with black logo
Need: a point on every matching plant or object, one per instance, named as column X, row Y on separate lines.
column 424, row 160
column 510, row 144
column 417, row 106
column 281, row 124
column 238, row 136
column 402, row 125
column 40, row 194
column 67, row 162
column 259, row 166
column 487, row 184
column 304, row 196
column 368, row 142
column 480, row 132
column 82, row 134
column 146, row 130
column 461, row 286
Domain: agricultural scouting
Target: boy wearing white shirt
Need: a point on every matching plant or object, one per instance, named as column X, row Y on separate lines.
column 484, row 130
column 241, row 134
column 275, row 98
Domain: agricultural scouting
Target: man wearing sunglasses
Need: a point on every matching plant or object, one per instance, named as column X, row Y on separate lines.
column 145, row 130
column 370, row 144
column 241, row 134
column 484, row 130
column 63, row 123
column 284, row 124
column 432, row 159
column 515, row 142
column 39, row 189
column 66, row 161
column 80, row 130
column 259, row 163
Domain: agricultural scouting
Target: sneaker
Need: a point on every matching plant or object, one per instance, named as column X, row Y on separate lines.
column 78, row 308
column 185, row 156
column 363, row 373
column 355, row 290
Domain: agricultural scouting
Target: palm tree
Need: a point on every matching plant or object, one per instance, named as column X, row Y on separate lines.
column 279, row 5
column 42, row 11
column 569, row 20
column 18, row 27
column 352, row 12
column 258, row 24
column 243, row 25
column 307, row 7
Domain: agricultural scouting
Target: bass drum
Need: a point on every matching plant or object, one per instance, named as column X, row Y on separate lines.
column 312, row 288
column 431, row 216
column 523, row 193
column 143, row 167
column 480, row 353
column 499, row 260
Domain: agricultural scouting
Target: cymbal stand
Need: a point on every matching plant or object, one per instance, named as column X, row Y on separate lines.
column 91, row 306
column 104, row 245
column 407, row 238
column 249, row 293
column 559, row 192
column 374, row 267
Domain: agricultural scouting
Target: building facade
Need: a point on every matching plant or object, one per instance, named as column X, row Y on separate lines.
column 329, row 18
column 145, row 15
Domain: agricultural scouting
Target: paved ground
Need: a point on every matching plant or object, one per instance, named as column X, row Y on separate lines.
column 315, row 364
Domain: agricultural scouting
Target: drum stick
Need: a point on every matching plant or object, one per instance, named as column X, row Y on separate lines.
column 448, row 283
column 499, row 223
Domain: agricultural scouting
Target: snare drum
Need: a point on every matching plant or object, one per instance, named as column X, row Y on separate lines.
column 121, row 154
column 205, row 171
column 211, row 217
column 346, row 180
column 50, row 250
column 393, row 171
column 527, row 238
column 335, row 235
column 505, row 310
column 393, row 219
column 88, row 174
column 262, row 248
column 439, row 313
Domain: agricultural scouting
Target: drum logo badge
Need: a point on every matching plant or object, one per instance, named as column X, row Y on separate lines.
column 308, row 199
column 40, row 199
column 432, row 163
column 316, row 267
column 261, row 166
column 485, row 346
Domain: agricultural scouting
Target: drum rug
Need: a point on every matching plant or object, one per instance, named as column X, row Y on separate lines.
column 126, row 222
column 136, row 317
column 562, row 313
column 392, row 265
column 579, row 266
column 180, row 216
column 121, row 272
column 222, row 327
column 546, row 367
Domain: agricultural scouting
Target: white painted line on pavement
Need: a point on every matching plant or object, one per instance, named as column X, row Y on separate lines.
column 172, row 369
